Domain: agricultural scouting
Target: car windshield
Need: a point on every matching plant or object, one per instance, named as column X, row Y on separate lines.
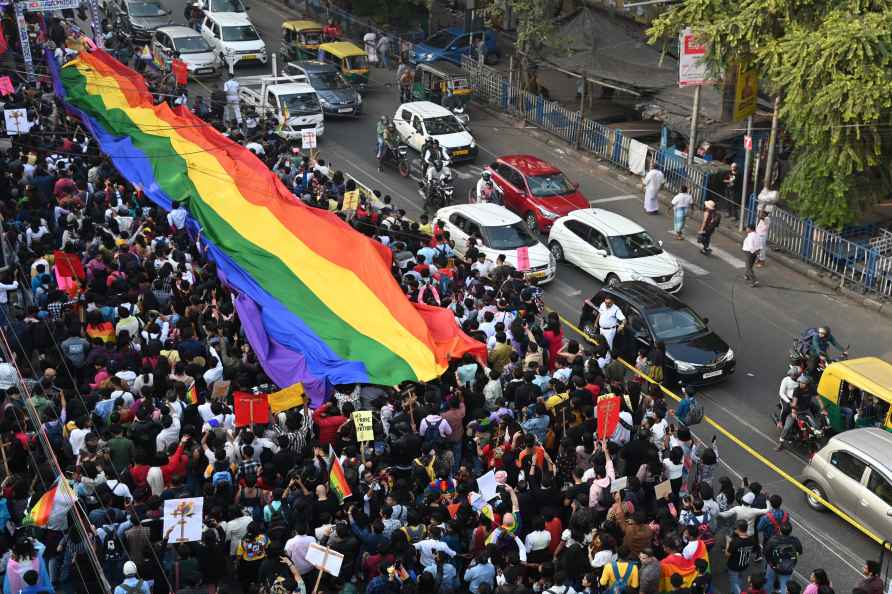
column 191, row 45
column 508, row 237
column 300, row 103
column 240, row 33
column 636, row 245
column 227, row 6
column 671, row 324
column 327, row 81
column 146, row 9
column 442, row 125
column 439, row 40
column 357, row 62
column 550, row 184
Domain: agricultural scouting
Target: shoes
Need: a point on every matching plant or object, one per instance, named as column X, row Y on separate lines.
column 754, row 284
column 704, row 251
column 779, row 447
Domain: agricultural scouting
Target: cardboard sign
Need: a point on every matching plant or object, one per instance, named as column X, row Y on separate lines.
column 308, row 138
column 363, row 421
column 663, row 490
column 16, row 121
column 523, row 258
column 183, row 518
column 289, row 397
column 487, row 485
column 250, row 409
column 619, row 484
column 608, row 415
column 328, row 560
column 6, row 86
column 221, row 389
column 351, row 200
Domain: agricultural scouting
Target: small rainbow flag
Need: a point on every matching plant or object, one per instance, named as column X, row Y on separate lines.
column 192, row 393
column 676, row 563
column 55, row 502
column 336, row 479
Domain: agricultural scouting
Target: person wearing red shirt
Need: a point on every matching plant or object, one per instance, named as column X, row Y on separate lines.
column 329, row 420
column 176, row 464
column 554, row 527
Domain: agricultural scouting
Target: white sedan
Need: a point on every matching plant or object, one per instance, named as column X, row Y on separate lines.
column 501, row 232
column 613, row 249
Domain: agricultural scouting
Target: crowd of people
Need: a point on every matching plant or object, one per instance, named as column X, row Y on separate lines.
column 115, row 380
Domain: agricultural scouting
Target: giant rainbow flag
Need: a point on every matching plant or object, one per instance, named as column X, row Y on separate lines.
column 322, row 293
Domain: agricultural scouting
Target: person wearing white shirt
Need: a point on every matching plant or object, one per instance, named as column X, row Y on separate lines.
column 232, row 111
column 653, row 181
column 435, row 421
column 537, row 539
column 483, row 265
column 427, row 547
column 169, row 433
column 235, row 531
column 76, row 438
column 216, row 372
column 176, row 218
column 296, row 548
column 681, row 202
column 610, row 319
column 751, row 248
column 762, row 228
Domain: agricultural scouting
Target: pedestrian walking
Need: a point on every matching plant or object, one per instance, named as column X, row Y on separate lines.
column 762, row 228
column 751, row 249
column 681, row 202
column 711, row 220
column 383, row 47
column 732, row 190
column 782, row 553
column 653, row 181
column 405, row 76
column 370, row 44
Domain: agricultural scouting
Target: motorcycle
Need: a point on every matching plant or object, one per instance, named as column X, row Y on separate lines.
column 810, row 431
column 400, row 159
column 798, row 358
column 440, row 193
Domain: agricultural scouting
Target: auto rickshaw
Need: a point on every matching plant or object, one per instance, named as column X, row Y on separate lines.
column 857, row 393
column 434, row 81
column 301, row 39
column 352, row 60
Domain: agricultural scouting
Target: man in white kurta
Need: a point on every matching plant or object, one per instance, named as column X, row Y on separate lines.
column 653, row 181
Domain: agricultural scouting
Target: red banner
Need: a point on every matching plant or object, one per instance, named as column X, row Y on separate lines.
column 68, row 264
column 608, row 415
column 250, row 409
column 180, row 72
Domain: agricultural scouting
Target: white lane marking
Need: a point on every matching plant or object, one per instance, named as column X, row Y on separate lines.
column 614, row 199
column 565, row 288
column 691, row 267
column 721, row 254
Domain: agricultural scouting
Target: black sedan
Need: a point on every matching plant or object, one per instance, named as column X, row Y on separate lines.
column 695, row 355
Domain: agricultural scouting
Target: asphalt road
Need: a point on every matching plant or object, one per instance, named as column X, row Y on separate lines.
column 758, row 323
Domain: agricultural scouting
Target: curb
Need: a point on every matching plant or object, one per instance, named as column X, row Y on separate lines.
column 866, row 301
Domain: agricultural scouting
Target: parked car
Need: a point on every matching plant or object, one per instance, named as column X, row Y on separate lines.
column 138, row 18
column 453, row 43
column 695, row 355
column 337, row 96
column 192, row 49
column 537, row 191
column 419, row 120
column 613, row 249
column 852, row 472
column 233, row 38
column 502, row 232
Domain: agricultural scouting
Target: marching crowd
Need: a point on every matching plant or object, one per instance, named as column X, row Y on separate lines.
column 129, row 373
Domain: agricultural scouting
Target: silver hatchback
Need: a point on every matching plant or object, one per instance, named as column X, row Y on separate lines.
column 853, row 473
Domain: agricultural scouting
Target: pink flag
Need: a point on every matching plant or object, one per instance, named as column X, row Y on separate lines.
column 523, row 258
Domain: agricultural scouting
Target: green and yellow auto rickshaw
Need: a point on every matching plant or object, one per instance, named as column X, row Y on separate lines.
column 351, row 59
column 436, row 80
column 857, row 393
column 301, row 39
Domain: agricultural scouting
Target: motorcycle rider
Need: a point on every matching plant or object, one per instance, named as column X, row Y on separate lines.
column 484, row 191
column 451, row 101
column 379, row 133
column 819, row 347
column 785, row 392
column 432, row 152
column 436, row 172
column 391, row 142
column 805, row 403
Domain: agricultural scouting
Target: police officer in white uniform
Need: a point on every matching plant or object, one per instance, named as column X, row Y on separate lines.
column 610, row 319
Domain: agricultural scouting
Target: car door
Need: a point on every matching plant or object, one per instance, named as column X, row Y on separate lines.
column 637, row 330
column 876, row 502
column 416, row 133
column 600, row 252
column 500, row 179
column 403, row 122
column 574, row 242
column 459, row 47
column 514, row 191
column 207, row 31
column 458, row 225
column 844, row 477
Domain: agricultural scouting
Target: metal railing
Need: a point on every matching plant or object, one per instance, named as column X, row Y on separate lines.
column 864, row 265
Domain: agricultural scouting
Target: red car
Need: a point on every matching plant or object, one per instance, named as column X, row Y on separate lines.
column 540, row 193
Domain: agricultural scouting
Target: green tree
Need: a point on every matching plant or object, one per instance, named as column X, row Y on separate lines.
column 831, row 63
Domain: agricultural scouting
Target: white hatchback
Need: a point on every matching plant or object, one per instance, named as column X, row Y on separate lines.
column 613, row 249
column 419, row 120
column 501, row 232
column 233, row 38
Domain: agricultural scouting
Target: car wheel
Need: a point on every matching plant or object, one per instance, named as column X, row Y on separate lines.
column 530, row 219
column 612, row 280
column 557, row 251
column 810, row 499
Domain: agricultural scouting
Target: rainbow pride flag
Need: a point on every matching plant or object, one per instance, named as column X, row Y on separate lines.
column 676, row 563
column 54, row 504
column 192, row 393
column 322, row 290
column 336, row 479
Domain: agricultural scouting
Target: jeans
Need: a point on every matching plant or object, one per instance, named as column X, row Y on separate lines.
column 379, row 148
column 782, row 580
column 705, row 239
column 737, row 580
column 750, row 275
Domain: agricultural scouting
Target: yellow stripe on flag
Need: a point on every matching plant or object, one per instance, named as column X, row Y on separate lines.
column 288, row 398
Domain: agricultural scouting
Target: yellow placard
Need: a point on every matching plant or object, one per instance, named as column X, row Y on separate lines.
column 351, row 200
column 363, row 421
column 746, row 93
column 287, row 398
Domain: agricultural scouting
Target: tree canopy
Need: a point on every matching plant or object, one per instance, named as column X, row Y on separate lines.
column 831, row 64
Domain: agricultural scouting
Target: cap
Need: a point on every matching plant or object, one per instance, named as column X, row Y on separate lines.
column 129, row 568
column 804, row 379
column 709, row 204
column 748, row 498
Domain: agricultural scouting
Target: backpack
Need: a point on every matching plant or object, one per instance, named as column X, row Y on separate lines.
column 784, row 558
column 221, row 476
column 803, row 343
column 785, row 519
column 432, row 437
column 695, row 413
column 134, row 589
column 605, row 497
column 278, row 525
column 111, row 549
column 704, row 531
column 621, row 582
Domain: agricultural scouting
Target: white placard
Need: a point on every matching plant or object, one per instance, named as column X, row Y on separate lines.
column 324, row 558
column 487, row 485
column 692, row 70
column 663, row 489
column 183, row 518
column 308, row 138
column 618, row 484
column 16, row 121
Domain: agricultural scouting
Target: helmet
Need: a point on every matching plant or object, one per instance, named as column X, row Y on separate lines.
column 824, row 330
column 485, row 175
column 391, row 127
column 804, row 380
column 435, row 142
column 384, row 119
column 438, row 164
